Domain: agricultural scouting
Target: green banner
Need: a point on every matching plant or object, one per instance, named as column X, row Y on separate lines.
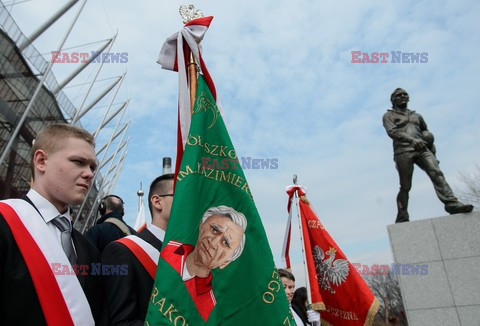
column 216, row 266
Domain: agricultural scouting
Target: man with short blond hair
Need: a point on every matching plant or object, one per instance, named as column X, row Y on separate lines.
column 44, row 263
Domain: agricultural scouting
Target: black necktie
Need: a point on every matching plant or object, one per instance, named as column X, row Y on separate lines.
column 62, row 223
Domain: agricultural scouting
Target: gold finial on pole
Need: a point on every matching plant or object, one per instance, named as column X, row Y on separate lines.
column 189, row 13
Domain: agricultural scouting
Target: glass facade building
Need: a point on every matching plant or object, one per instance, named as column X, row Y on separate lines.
column 20, row 74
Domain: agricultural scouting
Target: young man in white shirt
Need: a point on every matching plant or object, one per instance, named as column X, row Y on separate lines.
column 128, row 295
column 45, row 265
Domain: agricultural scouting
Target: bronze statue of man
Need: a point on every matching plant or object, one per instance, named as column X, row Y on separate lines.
column 413, row 144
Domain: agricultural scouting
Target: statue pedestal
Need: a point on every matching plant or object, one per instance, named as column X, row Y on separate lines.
column 440, row 269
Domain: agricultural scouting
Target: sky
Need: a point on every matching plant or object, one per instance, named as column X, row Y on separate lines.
column 290, row 91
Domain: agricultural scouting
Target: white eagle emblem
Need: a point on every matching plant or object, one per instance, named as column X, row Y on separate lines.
column 329, row 270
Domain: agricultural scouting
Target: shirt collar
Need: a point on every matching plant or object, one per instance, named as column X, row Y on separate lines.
column 47, row 210
column 159, row 233
column 202, row 284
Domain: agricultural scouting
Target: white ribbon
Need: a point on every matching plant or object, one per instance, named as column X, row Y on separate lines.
column 171, row 53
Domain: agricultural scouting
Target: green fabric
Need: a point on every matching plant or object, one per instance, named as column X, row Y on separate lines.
column 248, row 291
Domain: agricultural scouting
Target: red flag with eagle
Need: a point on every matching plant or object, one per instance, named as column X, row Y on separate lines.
column 335, row 284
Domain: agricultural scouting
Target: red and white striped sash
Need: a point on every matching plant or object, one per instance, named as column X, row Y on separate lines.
column 146, row 254
column 61, row 297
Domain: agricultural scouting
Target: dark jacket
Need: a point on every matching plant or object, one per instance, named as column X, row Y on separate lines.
column 103, row 233
column 302, row 313
column 128, row 295
column 19, row 303
column 402, row 126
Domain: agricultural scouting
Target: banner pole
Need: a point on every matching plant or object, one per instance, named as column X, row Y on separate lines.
column 192, row 76
column 300, row 227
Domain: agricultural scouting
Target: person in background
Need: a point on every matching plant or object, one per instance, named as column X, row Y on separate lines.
column 128, row 294
column 111, row 225
column 298, row 300
column 299, row 304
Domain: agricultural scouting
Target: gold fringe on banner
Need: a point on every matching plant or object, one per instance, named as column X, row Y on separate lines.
column 372, row 312
column 318, row 306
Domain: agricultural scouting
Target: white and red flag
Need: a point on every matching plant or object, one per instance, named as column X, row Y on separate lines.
column 141, row 221
column 334, row 284
column 175, row 55
column 288, row 230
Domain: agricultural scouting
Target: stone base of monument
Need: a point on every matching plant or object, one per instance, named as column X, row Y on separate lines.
column 438, row 263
